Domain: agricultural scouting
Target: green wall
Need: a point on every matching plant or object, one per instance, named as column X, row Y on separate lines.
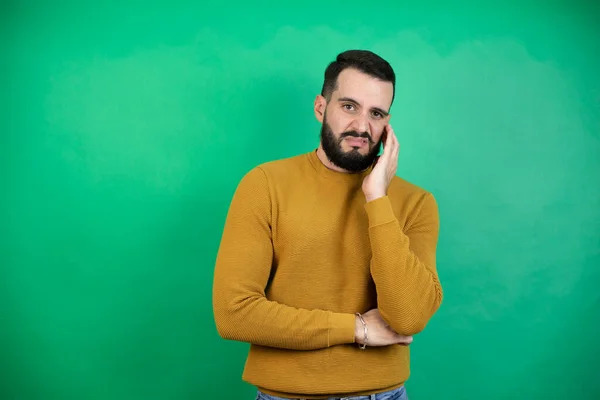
column 125, row 129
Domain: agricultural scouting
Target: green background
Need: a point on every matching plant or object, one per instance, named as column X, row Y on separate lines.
column 125, row 129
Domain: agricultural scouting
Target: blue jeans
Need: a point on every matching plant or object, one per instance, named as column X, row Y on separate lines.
column 396, row 394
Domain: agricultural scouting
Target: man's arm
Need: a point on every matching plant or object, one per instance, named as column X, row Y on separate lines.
column 242, row 270
column 403, row 265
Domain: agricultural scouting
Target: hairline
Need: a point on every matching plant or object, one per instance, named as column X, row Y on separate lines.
column 327, row 96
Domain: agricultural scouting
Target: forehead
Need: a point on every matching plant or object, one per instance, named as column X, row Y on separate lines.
column 364, row 88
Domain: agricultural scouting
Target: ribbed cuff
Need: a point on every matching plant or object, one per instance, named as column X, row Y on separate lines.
column 341, row 328
column 380, row 211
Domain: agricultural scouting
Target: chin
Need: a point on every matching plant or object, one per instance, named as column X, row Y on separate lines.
column 347, row 148
column 361, row 150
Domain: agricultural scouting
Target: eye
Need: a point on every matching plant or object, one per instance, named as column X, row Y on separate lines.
column 348, row 107
column 377, row 114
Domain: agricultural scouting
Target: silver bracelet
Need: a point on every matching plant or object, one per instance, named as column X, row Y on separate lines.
column 363, row 346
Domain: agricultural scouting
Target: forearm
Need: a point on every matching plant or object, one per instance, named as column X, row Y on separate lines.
column 406, row 280
column 408, row 292
column 254, row 319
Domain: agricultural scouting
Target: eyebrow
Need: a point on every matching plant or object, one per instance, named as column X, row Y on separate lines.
column 351, row 100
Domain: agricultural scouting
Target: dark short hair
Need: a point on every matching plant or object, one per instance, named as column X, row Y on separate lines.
column 363, row 60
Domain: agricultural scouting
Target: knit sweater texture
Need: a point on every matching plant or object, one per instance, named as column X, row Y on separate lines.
column 301, row 252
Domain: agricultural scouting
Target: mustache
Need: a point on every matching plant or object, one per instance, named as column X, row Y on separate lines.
column 357, row 135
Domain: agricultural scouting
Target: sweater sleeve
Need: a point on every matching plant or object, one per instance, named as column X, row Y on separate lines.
column 243, row 266
column 403, row 264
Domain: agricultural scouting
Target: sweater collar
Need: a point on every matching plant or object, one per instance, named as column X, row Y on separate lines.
column 348, row 177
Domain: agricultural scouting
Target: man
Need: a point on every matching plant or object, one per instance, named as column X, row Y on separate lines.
column 327, row 263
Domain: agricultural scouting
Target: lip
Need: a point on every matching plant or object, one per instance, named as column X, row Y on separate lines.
column 354, row 141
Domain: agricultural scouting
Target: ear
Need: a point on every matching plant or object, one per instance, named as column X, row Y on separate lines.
column 320, row 105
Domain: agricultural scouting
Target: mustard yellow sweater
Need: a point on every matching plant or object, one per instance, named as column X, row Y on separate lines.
column 301, row 253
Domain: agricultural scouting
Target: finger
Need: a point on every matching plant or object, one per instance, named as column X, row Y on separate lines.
column 392, row 135
column 384, row 137
column 387, row 141
column 395, row 143
column 390, row 152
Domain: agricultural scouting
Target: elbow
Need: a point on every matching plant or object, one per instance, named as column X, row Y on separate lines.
column 226, row 321
column 230, row 326
column 222, row 324
column 232, row 317
column 225, row 327
column 409, row 328
column 415, row 319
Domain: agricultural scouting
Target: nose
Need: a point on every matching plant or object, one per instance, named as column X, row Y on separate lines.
column 361, row 124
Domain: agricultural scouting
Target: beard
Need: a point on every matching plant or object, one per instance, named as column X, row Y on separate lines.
column 353, row 160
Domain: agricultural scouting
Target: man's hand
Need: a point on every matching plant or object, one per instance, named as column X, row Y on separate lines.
column 375, row 185
column 379, row 333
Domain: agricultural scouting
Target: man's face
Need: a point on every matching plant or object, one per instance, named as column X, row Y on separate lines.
column 354, row 120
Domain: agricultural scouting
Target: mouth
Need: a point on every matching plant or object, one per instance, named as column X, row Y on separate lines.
column 355, row 141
